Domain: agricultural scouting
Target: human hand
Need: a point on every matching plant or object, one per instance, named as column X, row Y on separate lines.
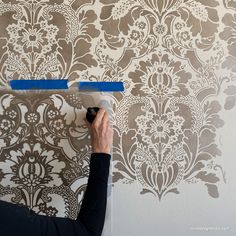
column 101, row 132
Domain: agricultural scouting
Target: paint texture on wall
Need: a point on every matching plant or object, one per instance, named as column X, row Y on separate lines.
column 176, row 57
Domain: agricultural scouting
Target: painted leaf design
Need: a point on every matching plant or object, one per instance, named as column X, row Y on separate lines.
column 210, row 178
column 212, row 190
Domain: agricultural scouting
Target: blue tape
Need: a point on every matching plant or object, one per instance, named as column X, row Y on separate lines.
column 38, row 84
column 101, row 86
column 63, row 84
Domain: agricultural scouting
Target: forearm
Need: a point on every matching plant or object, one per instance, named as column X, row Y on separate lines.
column 93, row 208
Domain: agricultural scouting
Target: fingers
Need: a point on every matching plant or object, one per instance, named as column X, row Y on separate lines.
column 99, row 116
column 105, row 119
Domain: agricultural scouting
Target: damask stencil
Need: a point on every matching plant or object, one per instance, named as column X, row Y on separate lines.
column 176, row 57
column 45, row 149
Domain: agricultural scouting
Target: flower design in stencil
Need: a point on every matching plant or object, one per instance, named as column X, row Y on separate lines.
column 161, row 76
column 185, row 36
column 160, row 29
column 31, row 167
column 26, row 37
column 135, row 35
column 57, row 124
column 35, row 166
column 11, row 113
column 159, row 129
column 179, row 25
column 32, row 117
column 32, row 38
column 141, row 25
column 5, row 125
column 52, row 114
column 158, row 176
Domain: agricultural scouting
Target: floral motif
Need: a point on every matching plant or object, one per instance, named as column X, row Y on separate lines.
column 159, row 129
column 160, row 29
column 52, row 114
column 11, row 113
column 32, row 117
column 34, row 45
column 57, row 125
column 33, row 166
column 5, row 125
column 135, row 35
column 38, row 38
column 141, row 25
column 161, row 76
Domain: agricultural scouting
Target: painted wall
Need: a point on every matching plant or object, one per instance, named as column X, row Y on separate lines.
column 173, row 156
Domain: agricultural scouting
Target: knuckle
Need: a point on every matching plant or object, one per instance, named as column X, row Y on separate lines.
column 94, row 125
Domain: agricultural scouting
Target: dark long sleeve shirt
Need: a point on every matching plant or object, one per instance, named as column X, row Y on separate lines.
column 16, row 220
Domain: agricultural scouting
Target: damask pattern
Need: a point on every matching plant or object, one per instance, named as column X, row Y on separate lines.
column 45, row 149
column 175, row 57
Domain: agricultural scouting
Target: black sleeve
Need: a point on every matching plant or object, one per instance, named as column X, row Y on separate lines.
column 93, row 208
column 16, row 220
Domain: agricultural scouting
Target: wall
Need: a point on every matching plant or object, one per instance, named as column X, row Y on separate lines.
column 174, row 125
